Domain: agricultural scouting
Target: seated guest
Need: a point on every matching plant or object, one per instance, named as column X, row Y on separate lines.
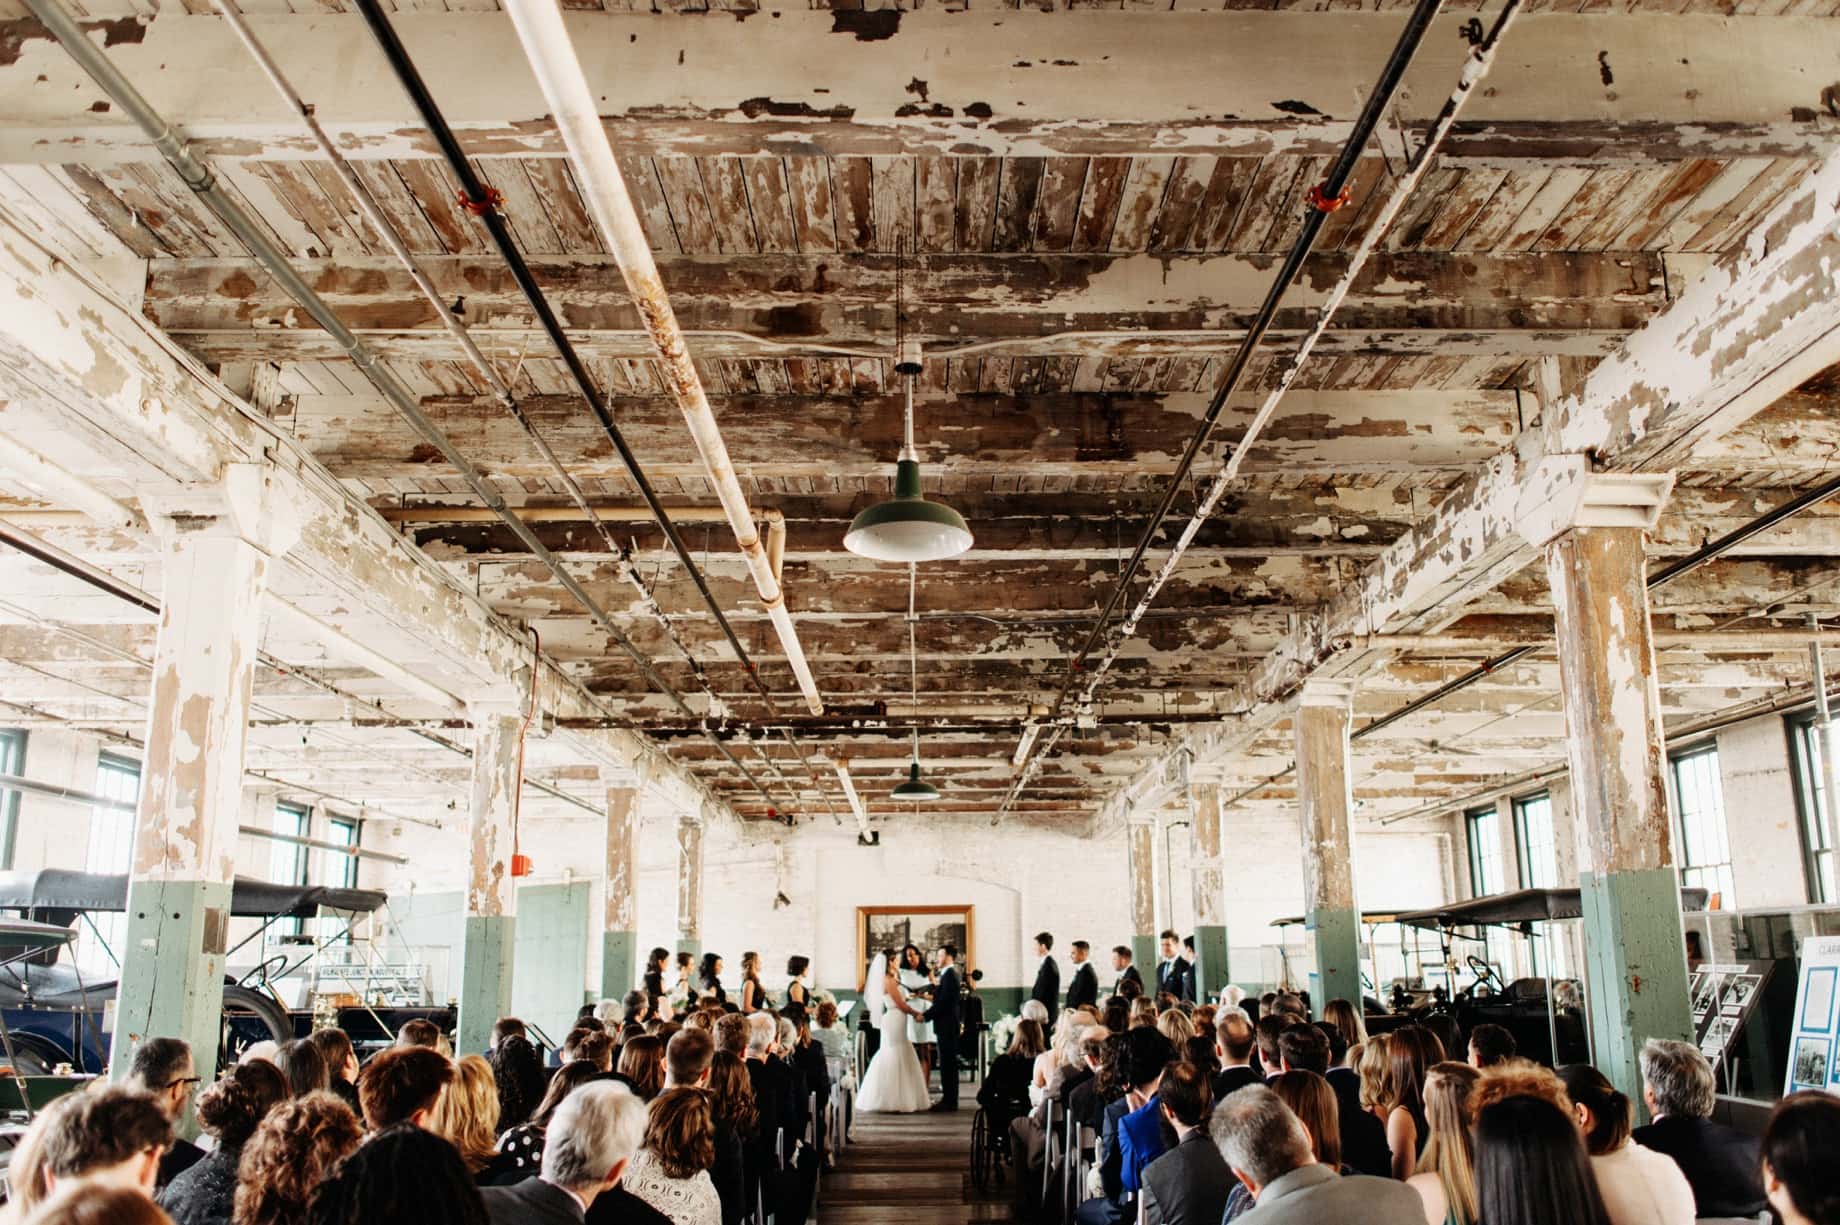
column 1175, row 1025
column 402, row 1175
column 1450, row 1040
column 1269, row 1151
column 671, row 1170
column 588, row 1045
column 163, row 1068
column 1720, row 1162
column 593, row 1136
column 401, row 1085
column 304, row 1067
column 228, row 1112
column 466, row 1116
column 798, row 1084
column 507, row 1027
column 1490, row 1044
column 294, row 1148
column 1266, row 1032
column 1531, row 1167
column 833, row 1036
column 1234, row 1039
column 341, row 1063
column 731, row 1034
column 523, row 1144
column 517, row 1070
column 772, row 1085
column 1131, row 1136
column 1798, row 1159
column 808, row 1061
column 1361, row 1137
column 1188, row 1184
column 1446, row 1177
column 1411, row 1050
column 1347, row 1021
column 731, row 1102
column 1639, row 1185
column 642, row 1065
column 1310, row 1098
column 112, row 1137
column 419, row 1031
column 1375, row 1069
column 1004, row 1095
column 82, row 1203
column 1086, row 1098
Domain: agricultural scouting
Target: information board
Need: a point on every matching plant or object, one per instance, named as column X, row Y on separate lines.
column 1724, row 996
column 1811, row 1041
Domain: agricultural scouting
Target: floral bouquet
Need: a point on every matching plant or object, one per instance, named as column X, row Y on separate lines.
column 1003, row 1033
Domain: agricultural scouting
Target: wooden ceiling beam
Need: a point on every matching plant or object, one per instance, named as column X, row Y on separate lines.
column 1633, row 86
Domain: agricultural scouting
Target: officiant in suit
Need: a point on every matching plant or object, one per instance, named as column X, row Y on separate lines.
column 1047, row 978
column 1084, row 989
column 944, row 1014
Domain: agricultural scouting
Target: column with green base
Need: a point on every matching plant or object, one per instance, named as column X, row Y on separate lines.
column 1635, row 946
column 690, row 883
column 1211, row 973
column 1325, row 799
column 620, row 935
column 1140, row 859
column 214, row 567
column 490, row 934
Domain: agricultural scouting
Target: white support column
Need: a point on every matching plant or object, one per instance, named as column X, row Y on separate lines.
column 219, row 542
column 491, row 893
column 620, row 928
column 1211, row 973
column 690, row 882
column 1325, row 801
column 1140, row 860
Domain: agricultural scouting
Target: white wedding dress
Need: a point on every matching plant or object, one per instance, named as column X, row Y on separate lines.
column 895, row 1083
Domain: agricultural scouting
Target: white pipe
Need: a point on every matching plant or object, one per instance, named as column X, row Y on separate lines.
column 558, row 71
column 849, row 793
column 60, row 485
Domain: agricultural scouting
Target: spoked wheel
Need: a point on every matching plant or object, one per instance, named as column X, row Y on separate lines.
column 983, row 1157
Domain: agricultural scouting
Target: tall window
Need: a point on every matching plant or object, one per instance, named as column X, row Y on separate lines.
column 1533, row 838
column 287, row 863
column 342, row 870
column 12, row 761
column 1699, row 799
column 1485, row 859
column 1811, row 801
column 111, row 850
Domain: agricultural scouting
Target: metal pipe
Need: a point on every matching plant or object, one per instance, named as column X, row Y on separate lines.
column 202, row 182
column 558, row 71
column 1830, row 772
column 1332, row 189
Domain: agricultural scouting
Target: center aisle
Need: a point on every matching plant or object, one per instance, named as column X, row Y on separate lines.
column 909, row 1169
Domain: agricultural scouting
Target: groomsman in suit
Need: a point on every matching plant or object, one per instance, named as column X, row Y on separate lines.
column 1121, row 962
column 1192, row 958
column 1172, row 971
column 1048, row 977
column 1084, row 989
column 944, row 1014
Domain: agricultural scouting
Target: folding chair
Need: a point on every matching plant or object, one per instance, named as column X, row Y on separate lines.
column 1049, row 1133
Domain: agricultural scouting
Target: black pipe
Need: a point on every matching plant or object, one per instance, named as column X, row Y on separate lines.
column 481, row 201
column 1330, row 190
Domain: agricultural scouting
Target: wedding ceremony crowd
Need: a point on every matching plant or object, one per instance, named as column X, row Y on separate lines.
column 694, row 1102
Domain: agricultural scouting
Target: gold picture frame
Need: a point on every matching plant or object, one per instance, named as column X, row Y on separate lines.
column 877, row 925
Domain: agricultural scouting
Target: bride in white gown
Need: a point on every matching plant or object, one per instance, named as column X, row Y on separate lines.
column 895, row 1083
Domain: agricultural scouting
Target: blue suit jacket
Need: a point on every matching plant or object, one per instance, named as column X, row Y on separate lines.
column 1140, row 1141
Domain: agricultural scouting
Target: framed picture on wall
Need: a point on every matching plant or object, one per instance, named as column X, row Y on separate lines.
column 894, row 927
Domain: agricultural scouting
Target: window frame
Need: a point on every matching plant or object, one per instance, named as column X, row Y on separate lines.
column 13, row 745
column 1810, row 800
column 1722, row 870
column 1523, row 844
column 1472, row 817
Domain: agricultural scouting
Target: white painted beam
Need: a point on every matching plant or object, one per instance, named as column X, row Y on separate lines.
column 1019, row 81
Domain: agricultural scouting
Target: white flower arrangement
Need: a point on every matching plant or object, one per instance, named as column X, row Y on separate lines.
column 1003, row 1033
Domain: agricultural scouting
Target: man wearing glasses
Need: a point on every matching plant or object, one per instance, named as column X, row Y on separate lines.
column 164, row 1068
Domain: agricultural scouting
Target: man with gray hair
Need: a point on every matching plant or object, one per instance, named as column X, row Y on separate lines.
column 1720, row 1162
column 1268, row 1150
column 590, row 1139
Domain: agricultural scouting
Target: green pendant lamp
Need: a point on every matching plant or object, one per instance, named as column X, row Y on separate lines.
column 915, row 788
column 907, row 527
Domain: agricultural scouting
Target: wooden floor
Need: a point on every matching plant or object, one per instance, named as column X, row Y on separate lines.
column 910, row 1169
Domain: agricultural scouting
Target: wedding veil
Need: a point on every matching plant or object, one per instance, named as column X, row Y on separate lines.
column 875, row 992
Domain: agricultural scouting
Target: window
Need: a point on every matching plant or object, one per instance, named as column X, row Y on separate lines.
column 1811, row 802
column 1485, row 860
column 111, row 850
column 1699, row 803
column 287, row 864
column 342, row 870
column 12, row 761
column 1533, row 839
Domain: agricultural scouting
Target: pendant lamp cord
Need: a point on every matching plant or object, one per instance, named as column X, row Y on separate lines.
column 913, row 650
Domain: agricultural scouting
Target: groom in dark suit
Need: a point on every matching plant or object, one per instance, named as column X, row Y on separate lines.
column 944, row 1015
column 1084, row 990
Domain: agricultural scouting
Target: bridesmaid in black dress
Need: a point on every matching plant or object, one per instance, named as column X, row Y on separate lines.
column 655, row 962
column 753, row 994
column 796, row 990
column 709, row 974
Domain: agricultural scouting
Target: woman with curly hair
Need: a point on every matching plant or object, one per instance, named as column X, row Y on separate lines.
column 731, row 1104
column 402, row 1175
column 466, row 1116
column 294, row 1148
column 230, row 1110
column 517, row 1070
column 671, row 1171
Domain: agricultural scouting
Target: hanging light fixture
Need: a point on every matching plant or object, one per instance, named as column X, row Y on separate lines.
column 915, row 789
column 907, row 527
